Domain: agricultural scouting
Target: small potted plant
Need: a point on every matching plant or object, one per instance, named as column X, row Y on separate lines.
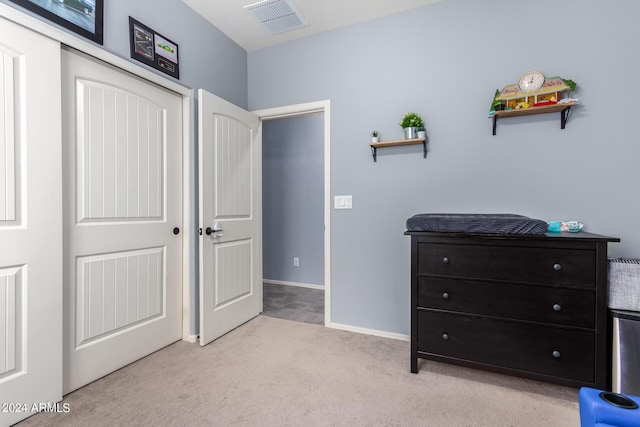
column 374, row 135
column 422, row 133
column 409, row 124
column 572, row 86
column 496, row 104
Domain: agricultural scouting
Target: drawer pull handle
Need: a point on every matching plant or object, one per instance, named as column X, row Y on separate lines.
column 557, row 267
column 556, row 354
column 445, row 336
column 557, row 307
column 445, row 295
column 445, row 260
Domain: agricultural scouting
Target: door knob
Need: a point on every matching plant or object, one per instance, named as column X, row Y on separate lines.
column 176, row 230
column 214, row 230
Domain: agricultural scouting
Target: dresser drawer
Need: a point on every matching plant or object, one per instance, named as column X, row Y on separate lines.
column 559, row 266
column 533, row 303
column 556, row 352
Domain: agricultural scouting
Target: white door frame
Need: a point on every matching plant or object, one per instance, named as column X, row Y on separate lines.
column 296, row 110
column 189, row 227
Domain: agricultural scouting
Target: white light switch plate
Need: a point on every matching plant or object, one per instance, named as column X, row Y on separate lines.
column 342, row 202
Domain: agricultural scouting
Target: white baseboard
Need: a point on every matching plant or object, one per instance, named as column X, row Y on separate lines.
column 190, row 339
column 300, row 285
column 383, row 334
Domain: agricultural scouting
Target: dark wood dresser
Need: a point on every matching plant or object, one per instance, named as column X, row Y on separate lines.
column 533, row 306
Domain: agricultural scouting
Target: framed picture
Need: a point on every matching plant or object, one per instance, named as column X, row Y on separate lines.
column 80, row 16
column 153, row 49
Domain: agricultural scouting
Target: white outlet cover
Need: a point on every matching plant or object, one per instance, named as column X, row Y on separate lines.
column 343, row 202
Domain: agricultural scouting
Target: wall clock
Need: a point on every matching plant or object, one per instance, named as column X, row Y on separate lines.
column 532, row 80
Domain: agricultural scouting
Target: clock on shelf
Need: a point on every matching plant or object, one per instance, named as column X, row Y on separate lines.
column 530, row 81
column 534, row 94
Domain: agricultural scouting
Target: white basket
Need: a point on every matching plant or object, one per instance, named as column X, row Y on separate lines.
column 624, row 284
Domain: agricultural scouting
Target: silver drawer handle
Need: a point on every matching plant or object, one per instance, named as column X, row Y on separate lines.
column 556, row 354
column 445, row 260
column 557, row 307
column 445, row 295
column 557, row 267
column 445, row 336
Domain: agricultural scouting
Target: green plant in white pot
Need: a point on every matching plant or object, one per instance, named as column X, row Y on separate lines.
column 410, row 123
column 374, row 135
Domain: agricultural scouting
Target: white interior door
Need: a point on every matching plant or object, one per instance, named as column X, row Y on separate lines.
column 123, row 200
column 30, row 218
column 230, row 216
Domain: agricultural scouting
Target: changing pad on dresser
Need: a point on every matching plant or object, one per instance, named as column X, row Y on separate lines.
column 476, row 223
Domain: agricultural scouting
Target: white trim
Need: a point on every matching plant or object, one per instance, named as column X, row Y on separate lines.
column 298, row 109
column 188, row 226
column 293, row 110
column 192, row 339
column 299, row 285
column 383, row 334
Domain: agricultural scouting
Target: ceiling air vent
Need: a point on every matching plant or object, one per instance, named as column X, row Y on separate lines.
column 277, row 16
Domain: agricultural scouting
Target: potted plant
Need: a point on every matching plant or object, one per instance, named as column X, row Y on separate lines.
column 572, row 86
column 496, row 104
column 374, row 135
column 422, row 133
column 410, row 122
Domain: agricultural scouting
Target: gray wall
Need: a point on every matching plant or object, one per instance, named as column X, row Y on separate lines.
column 208, row 58
column 445, row 61
column 293, row 198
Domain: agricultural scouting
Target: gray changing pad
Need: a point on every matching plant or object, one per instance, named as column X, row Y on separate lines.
column 476, row 223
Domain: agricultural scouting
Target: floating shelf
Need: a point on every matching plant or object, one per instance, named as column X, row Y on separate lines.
column 563, row 109
column 375, row 145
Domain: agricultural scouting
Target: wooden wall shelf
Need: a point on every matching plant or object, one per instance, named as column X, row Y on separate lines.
column 375, row 145
column 563, row 109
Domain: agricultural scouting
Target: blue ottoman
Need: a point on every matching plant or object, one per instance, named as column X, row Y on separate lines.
column 605, row 409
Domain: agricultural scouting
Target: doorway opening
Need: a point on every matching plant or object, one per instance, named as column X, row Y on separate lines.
column 296, row 233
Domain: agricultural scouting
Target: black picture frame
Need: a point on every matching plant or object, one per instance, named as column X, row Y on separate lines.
column 84, row 17
column 153, row 49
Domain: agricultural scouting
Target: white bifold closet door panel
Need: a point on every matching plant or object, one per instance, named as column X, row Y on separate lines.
column 30, row 219
column 123, row 199
column 230, row 154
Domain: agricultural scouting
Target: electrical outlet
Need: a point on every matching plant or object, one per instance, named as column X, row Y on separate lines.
column 342, row 202
column 296, row 261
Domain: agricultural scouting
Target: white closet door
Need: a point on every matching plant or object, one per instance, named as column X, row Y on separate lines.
column 30, row 223
column 123, row 219
column 231, row 216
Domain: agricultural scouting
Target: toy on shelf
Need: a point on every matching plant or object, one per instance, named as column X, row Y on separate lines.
column 533, row 90
column 534, row 94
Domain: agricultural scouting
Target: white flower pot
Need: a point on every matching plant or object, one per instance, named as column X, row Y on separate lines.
column 422, row 134
column 374, row 139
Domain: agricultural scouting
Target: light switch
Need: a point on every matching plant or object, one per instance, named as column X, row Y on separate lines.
column 342, row 202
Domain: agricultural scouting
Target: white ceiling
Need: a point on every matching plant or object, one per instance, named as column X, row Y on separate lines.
column 231, row 18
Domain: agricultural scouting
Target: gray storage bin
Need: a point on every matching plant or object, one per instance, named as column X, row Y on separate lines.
column 624, row 284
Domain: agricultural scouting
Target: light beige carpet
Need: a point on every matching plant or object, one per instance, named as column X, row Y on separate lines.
column 274, row 372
